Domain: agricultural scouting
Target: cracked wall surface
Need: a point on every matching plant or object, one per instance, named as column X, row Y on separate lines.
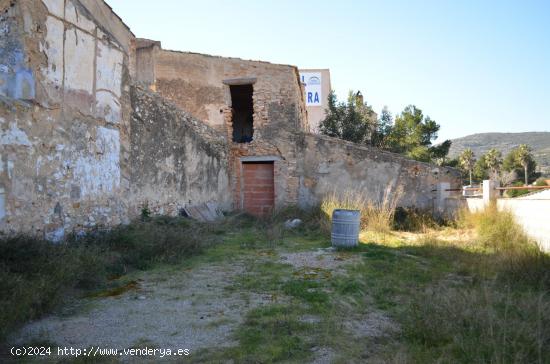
column 306, row 166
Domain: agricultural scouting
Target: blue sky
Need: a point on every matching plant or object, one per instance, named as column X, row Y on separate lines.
column 473, row 66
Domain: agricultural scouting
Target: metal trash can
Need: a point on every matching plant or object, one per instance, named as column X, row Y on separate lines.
column 345, row 228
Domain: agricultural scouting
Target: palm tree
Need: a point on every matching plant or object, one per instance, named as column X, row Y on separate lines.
column 493, row 159
column 524, row 157
column 467, row 161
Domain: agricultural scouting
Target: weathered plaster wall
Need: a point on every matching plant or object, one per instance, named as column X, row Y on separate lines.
column 16, row 76
column 145, row 61
column 64, row 137
column 78, row 147
column 176, row 160
column 333, row 166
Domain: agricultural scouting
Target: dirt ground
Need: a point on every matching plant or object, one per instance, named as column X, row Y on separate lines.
column 195, row 308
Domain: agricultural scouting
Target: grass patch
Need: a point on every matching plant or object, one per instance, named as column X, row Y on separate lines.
column 415, row 220
column 272, row 334
column 308, row 291
column 263, row 277
column 36, row 275
column 482, row 323
column 516, row 259
column 269, row 334
column 482, row 301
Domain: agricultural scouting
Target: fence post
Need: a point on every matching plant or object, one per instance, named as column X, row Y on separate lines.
column 490, row 193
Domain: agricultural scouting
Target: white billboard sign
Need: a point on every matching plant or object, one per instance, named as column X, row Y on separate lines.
column 312, row 82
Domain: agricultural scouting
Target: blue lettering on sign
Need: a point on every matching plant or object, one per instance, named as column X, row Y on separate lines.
column 309, row 97
column 316, row 99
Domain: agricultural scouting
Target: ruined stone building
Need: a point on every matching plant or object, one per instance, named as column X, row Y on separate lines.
column 96, row 124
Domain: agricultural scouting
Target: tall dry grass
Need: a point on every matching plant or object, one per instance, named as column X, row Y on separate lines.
column 376, row 215
column 484, row 323
column 514, row 255
column 497, row 310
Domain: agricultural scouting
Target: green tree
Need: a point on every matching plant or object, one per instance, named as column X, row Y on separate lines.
column 412, row 134
column 493, row 160
column 453, row 163
column 481, row 169
column 521, row 160
column 467, row 161
column 353, row 120
column 438, row 153
column 383, row 129
column 330, row 125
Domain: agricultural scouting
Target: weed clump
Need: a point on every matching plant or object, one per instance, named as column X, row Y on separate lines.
column 515, row 257
column 480, row 324
column 376, row 215
column 272, row 334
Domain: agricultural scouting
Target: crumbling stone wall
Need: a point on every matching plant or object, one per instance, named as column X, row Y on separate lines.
column 331, row 165
column 200, row 84
column 79, row 147
column 176, row 160
column 306, row 166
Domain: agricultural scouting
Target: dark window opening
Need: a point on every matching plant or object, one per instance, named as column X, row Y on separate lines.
column 243, row 111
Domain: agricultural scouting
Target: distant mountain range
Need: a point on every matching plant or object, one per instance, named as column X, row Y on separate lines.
column 481, row 143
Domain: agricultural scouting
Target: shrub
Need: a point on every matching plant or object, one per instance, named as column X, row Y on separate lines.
column 541, row 182
column 33, row 275
column 271, row 227
column 516, row 193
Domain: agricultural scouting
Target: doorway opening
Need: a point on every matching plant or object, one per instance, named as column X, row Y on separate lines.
column 258, row 188
column 243, row 113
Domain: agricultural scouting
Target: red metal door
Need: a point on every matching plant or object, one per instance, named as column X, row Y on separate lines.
column 258, row 188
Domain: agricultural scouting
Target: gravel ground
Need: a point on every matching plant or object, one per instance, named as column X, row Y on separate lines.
column 188, row 309
column 169, row 310
column 321, row 258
